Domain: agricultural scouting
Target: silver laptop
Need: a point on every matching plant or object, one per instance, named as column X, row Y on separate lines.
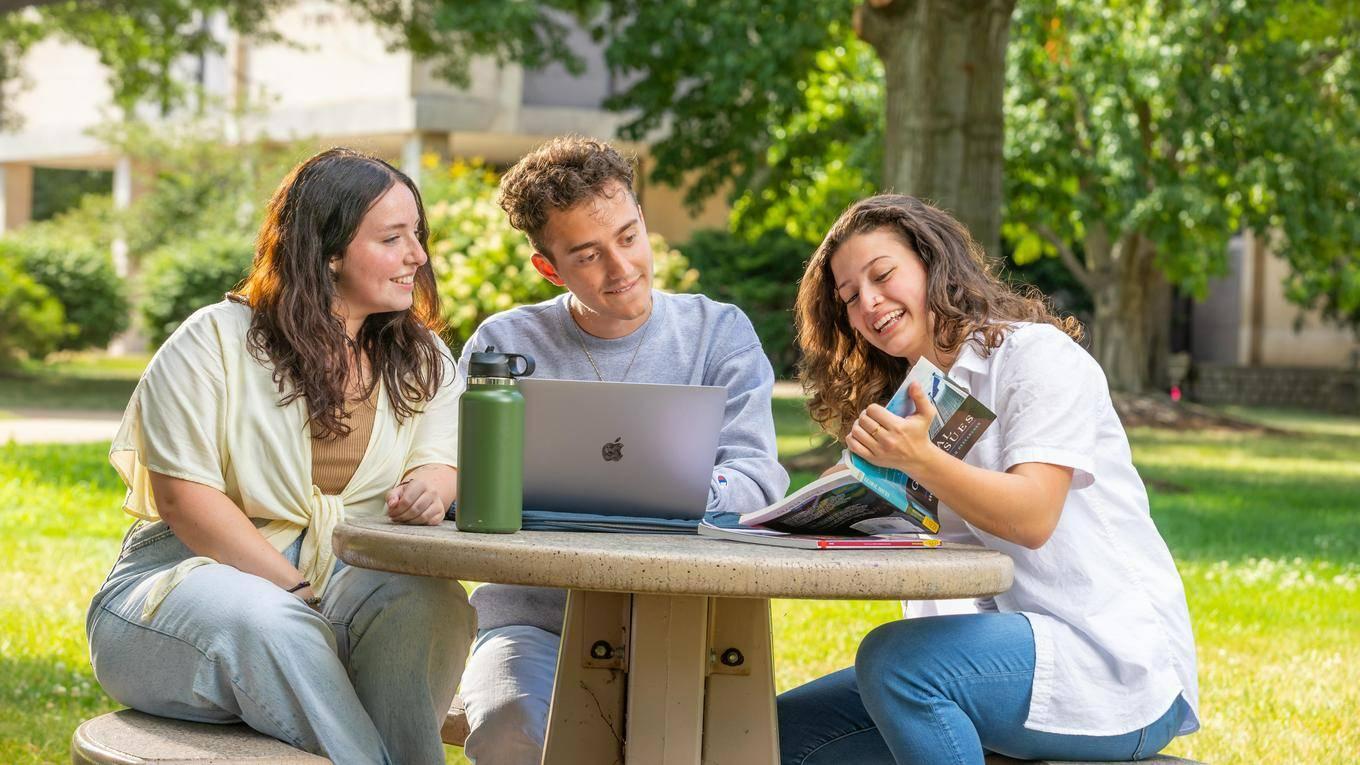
column 620, row 448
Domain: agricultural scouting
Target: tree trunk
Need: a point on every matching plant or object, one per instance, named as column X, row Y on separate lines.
column 1130, row 329
column 944, row 63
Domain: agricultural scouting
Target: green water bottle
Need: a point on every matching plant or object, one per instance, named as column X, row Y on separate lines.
column 491, row 444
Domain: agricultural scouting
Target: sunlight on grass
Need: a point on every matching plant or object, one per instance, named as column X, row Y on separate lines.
column 59, row 533
column 794, row 429
column 72, row 381
column 1316, row 423
column 92, row 366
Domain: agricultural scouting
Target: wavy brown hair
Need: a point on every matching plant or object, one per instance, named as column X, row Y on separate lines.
column 560, row 175
column 311, row 219
column 841, row 371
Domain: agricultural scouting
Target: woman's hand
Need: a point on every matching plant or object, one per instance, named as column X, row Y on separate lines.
column 887, row 440
column 308, row 595
column 415, row 501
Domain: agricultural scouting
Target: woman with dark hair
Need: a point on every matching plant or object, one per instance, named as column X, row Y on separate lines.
column 1089, row 655
column 319, row 391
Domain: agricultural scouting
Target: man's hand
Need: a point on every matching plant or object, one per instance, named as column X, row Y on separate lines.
column 887, row 440
column 414, row 501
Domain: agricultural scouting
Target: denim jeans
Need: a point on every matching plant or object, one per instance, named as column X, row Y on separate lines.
column 506, row 690
column 368, row 680
column 941, row 690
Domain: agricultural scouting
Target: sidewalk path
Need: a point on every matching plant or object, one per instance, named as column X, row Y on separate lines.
column 35, row 426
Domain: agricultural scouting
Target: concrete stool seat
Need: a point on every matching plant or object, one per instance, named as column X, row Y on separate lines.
column 128, row 737
column 455, row 729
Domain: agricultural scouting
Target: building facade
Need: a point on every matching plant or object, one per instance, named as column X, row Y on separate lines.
column 334, row 83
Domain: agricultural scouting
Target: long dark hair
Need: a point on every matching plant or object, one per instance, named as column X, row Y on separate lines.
column 840, row 370
column 311, row 219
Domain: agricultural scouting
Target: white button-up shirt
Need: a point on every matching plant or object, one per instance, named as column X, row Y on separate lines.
column 1113, row 646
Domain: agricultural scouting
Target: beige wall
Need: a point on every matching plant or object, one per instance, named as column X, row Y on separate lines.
column 16, row 196
column 65, row 93
column 334, row 58
column 667, row 215
column 1314, row 342
column 336, row 84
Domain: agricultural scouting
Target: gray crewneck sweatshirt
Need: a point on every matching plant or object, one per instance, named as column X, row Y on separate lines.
column 688, row 340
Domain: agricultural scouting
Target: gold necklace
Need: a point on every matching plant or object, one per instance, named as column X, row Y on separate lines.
column 580, row 338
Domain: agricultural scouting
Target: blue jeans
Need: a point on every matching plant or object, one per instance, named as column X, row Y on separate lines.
column 507, row 687
column 942, row 690
column 366, row 681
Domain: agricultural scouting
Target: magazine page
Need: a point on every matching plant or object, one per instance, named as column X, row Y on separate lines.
column 798, row 498
column 765, row 536
column 843, row 506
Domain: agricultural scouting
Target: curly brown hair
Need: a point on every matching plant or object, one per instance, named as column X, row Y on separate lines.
column 560, row 175
column 311, row 219
column 841, row 371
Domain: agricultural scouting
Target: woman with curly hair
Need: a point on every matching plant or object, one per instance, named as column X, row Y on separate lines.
column 1089, row 655
column 320, row 391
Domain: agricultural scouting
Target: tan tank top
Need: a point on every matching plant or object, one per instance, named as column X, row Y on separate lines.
column 335, row 460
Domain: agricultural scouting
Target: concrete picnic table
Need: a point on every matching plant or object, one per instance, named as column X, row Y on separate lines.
column 666, row 641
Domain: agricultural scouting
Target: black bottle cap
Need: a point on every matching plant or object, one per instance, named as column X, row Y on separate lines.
column 491, row 363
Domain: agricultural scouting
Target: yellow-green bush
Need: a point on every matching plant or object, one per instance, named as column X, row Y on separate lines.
column 185, row 275
column 32, row 321
column 71, row 256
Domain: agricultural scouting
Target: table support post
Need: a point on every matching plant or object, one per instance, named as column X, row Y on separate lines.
column 666, row 668
column 586, row 718
column 739, row 712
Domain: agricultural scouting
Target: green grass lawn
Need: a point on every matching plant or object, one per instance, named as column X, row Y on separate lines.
column 71, row 382
column 1265, row 530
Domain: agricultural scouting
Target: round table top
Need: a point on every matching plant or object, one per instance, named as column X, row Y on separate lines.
column 673, row 564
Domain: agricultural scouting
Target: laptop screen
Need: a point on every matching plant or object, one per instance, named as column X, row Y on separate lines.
column 632, row 449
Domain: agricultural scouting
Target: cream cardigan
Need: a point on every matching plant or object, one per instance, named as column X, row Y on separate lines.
column 207, row 411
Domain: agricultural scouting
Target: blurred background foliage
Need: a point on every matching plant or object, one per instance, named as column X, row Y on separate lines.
column 1139, row 137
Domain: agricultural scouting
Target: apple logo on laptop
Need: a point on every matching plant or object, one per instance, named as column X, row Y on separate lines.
column 613, row 451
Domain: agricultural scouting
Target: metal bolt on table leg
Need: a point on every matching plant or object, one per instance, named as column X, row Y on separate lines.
column 601, row 650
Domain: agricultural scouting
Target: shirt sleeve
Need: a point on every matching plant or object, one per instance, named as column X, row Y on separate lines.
column 1049, row 402
column 747, row 475
column 173, row 425
column 436, row 437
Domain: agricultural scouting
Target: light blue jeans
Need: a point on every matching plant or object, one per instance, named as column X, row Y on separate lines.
column 368, row 680
column 941, row 690
column 507, row 688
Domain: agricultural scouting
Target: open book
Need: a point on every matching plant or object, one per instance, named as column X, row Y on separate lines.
column 866, row 500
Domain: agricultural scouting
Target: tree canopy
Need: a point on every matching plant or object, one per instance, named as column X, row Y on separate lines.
column 1139, row 134
column 1143, row 134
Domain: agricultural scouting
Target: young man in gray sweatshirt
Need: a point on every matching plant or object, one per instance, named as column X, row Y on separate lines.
column 573, row 198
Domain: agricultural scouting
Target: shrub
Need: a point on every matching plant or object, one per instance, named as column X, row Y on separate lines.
column 71, row 257
column 482, row 264
column 32, row 322
column 761, row 277
column 184, row 276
